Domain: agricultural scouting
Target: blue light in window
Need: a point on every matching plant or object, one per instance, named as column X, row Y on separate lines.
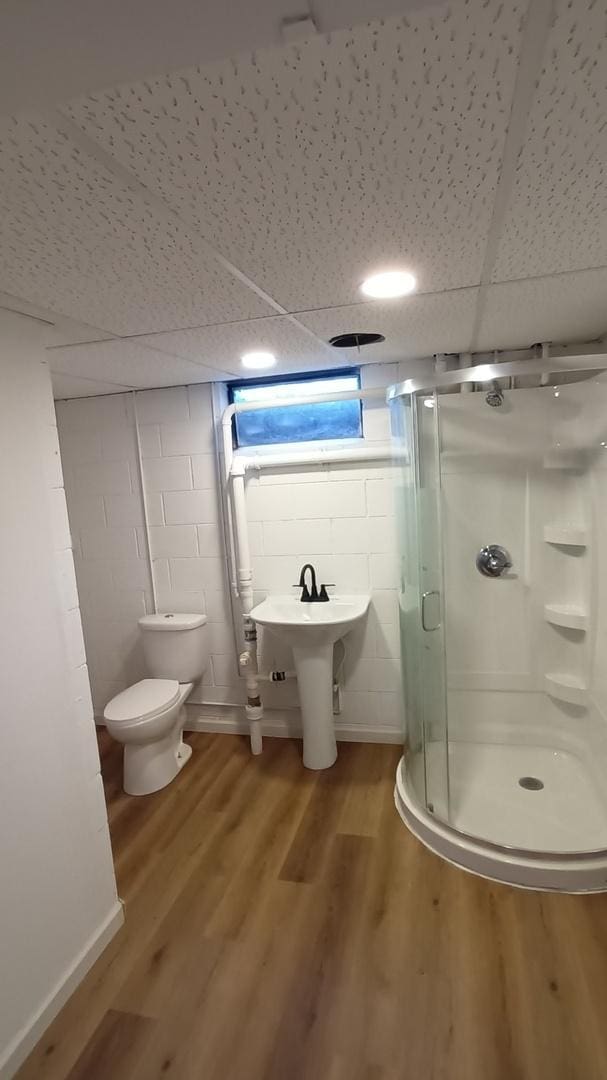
column 298, row 423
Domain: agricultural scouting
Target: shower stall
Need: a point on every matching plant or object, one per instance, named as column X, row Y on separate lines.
column 502, row 501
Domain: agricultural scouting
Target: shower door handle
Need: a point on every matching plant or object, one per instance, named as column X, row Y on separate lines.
column 425, row 597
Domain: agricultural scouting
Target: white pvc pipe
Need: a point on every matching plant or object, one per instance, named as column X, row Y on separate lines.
column 146, row 519
column 227, row 531
column 248, row 660
column 306, row 399
column 243, row 463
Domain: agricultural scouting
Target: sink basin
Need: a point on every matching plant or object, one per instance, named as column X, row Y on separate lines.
column 312, row 630
column 304, row 624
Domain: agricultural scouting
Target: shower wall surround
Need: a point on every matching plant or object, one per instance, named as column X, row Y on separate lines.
column 338, row 516
column 501, row 483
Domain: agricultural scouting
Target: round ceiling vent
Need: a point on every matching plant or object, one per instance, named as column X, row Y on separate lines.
column 355, row 341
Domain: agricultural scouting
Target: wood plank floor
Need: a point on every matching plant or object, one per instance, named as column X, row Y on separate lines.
column 283, row 924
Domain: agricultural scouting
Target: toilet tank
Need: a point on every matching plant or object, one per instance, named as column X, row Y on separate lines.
column 175, row 646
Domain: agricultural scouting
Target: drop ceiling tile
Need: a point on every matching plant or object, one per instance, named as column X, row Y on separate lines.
column 417, row 326
column 222, row 346
column 76, row 239
column 557, row 217
column 68, row 332
column 128, row 364
column 565, row 308
column 310, row 165
column 69, row 386
column 57, row 330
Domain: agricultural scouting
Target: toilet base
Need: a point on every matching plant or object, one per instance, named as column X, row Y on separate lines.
column 149, row 767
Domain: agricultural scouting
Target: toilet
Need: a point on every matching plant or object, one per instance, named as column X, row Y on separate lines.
column 148, row 717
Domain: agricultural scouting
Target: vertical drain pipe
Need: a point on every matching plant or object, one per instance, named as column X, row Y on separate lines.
column 146, row 519
column 243, row 575
column 244, row 572
column 234, row 485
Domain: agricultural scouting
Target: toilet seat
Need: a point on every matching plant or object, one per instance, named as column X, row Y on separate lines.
column 142, row 701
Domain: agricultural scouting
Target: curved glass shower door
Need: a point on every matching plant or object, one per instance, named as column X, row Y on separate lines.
column 416, row 431
column 502, row 496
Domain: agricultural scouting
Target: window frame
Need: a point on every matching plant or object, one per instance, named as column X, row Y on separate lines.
column 300, row 378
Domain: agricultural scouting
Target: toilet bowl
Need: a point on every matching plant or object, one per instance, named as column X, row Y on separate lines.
column 148, row 717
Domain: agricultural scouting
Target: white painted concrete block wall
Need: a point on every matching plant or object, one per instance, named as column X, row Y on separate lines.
column 58, row 901
column 182, row 494
column 340, row 517
column 99, row 454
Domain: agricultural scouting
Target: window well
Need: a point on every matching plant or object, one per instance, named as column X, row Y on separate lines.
column 297, row 423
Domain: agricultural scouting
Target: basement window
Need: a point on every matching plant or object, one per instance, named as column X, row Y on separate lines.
column 297, row 423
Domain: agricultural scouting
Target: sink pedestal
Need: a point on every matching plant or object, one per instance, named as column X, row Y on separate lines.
column 314, row 667
column 311, row 629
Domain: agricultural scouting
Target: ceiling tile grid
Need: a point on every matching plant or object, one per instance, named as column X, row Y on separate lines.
column 126, row 363
column 557, row 216
column 561, row 308
column 223, row 346
column 416, row 327
column 79, row 241
column 57, row 329
column 71, row 386
column 306, row 166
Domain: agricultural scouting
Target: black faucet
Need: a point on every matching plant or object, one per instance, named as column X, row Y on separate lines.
column 311, row 595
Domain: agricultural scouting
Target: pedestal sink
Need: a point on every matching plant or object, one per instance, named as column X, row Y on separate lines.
column 311, row 629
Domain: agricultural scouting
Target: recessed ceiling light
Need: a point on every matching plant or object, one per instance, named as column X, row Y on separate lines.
column 258, row 359
column 390, row 283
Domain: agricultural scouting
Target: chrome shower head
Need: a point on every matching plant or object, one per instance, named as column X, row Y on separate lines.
column 495, row 397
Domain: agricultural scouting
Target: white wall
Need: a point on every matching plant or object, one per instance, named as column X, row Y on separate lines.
column 58, row 903
column 340, row 517
column 99, row 455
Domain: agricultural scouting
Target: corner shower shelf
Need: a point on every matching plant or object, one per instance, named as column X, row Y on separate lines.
column 567, row 535
column 576, row 618
column 569, row 688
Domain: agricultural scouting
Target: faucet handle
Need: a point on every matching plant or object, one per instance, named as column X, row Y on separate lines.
column 305, row 592
column 323, row 595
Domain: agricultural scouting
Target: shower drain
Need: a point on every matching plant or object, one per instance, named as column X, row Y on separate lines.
column 531, row 783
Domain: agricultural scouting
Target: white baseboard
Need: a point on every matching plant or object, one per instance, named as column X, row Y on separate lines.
column 25, row 1040
column 278, row 723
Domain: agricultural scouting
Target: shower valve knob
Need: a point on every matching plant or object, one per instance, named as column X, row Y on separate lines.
column 493, row 560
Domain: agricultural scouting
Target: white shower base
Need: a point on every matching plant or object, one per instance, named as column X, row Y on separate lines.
column 487, row 801
column 489, row 810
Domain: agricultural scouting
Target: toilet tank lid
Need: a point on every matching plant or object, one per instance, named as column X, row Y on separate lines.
column 172, row 621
